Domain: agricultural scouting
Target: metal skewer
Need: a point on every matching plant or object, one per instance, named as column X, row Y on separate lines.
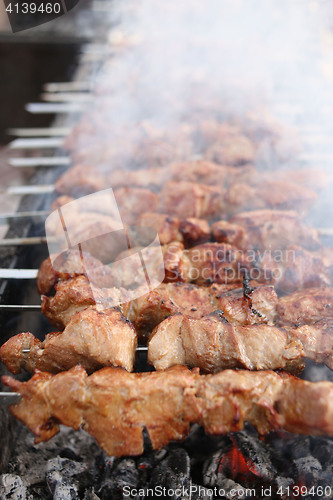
column 20, row 307
column 29, row 189
column 58, row 107
column 33, row 240
column 37, row 143
column 9, row 398
column 6, row 217
column 37, row 132
column 67, row 86
column 67, row 97
column 42, row 161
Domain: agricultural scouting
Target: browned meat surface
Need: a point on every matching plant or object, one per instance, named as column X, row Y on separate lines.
column 306, row 306
column 216, row 263
column 225, row 144
column 293, row 268
column 266, row 230
column 70, row 264
column 281, row 195
column 197, row 171
column 133, row 202
column 115, row 406
column 93, row 338
column 207, row 172
column 188, row 199
column 99, row 235
column 77, row 294
column 259, row 305
column 80, row 180
column 213, row 344
column 149, row 310
column 317, row 340
column 190, row 231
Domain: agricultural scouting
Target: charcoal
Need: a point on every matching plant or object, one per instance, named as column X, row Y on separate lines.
column 253, row 448
column 308, row 469
column 117, row 475
column 322, row 449
column 7, row 437
column 200, row 493
column 172, row 473
column 90, row 495
column 12, row 488
column 62, row 477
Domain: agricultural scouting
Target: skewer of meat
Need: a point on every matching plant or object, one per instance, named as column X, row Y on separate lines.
column 149, row 309
column 94, row 337
column 115, row 406
column 188, row 335
column 288, row 270
column 193, row 199
column 212, row 344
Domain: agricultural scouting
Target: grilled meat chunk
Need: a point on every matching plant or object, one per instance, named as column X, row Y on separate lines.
column 149, row 309
column 190, row 231
column 69, row 264
column 80, row 180
column 94, row 338
column 242, row 306
column 293, row 268
column 271, row 194
column 225, row 144
column 212, row 344
column 317, row 340
column 306, row 306
column 189, row 199
column 266, row 230
column 115, row 406
column 77, row 294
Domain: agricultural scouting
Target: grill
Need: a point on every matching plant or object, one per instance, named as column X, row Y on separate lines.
column 71, row 465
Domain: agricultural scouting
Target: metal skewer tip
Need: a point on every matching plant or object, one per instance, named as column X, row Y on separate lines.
column 9, row 398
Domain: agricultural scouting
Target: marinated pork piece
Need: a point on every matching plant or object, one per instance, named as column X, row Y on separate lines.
column 225, row 144
column 80, row 180
column 317, row 340
column 242, row 306
column 293, row 268
column 99, row 235
column 190, row 231
column 306, row 306
column 212, row 344
column 115, row 406
column 149, row 309
column 93, row 338
column 196, row 171
column 216, row 263
column 69, row 264
column 280, row 195
column 188, row 199
column 77, row 294
column 266, row 230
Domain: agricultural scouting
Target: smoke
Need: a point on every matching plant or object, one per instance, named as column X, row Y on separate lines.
column 173, row 64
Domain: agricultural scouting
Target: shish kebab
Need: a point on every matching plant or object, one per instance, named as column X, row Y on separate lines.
column 195, row 332
column 115, row 406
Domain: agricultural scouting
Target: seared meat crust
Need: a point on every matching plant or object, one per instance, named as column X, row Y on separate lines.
column 94, row 338
column 115, row 406
column 212, row 344
column 306, row 306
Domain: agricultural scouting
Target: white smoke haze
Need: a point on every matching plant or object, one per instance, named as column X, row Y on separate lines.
column 173, row 64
